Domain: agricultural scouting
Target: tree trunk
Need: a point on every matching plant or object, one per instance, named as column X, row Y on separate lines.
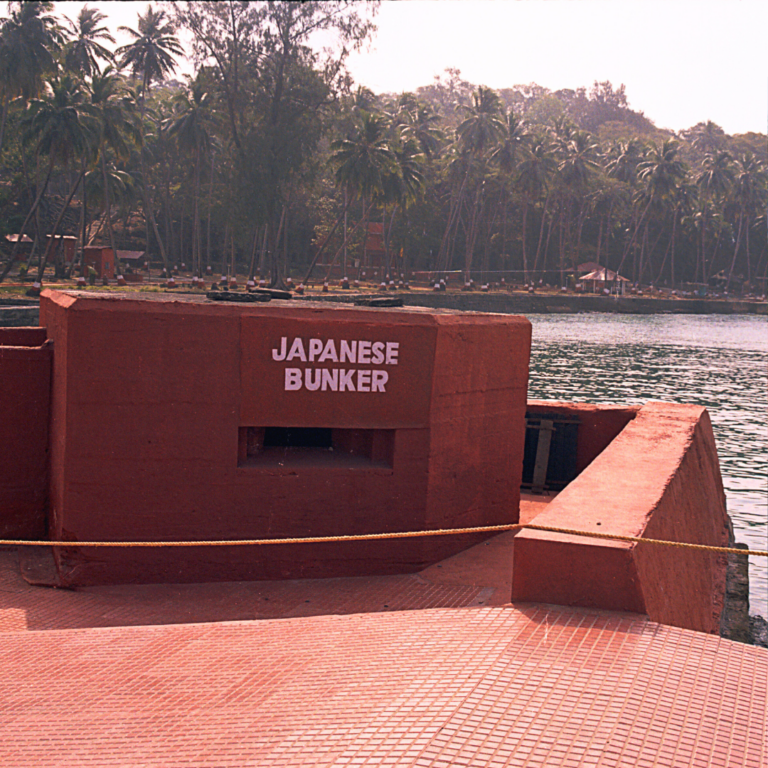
column 746, row 243
column 387, row 240
column 325, row 242
column 210, row 201
column 148, row 209
column 344, row 261
column 51, row 242
column 82, row 232
column 525, row 251
column 735, row 252
column 224, row 251
column 196, row 230
column 704, row 277
column 107, row 204
column 263, row 252
column 599, row 240
column 541, row 233
column 672, row 258
column 232, row 271
column 254, row 248
column 469, row 250
column 2, row 122
column 340, row 249
column 22, row 232
column 453, row 212
column 274, row 278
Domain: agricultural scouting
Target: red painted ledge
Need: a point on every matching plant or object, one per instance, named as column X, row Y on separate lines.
column 659, row 478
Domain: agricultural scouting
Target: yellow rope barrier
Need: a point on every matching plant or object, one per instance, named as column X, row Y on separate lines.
column 375, row 536
column 662, row 542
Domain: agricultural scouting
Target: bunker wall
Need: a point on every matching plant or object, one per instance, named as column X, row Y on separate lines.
column 24, row 412
column 163, row 410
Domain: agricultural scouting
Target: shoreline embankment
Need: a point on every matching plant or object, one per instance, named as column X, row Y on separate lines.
column 22, row 311
column 522, row 304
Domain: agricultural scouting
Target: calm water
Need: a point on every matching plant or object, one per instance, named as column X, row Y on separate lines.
column 719, row 362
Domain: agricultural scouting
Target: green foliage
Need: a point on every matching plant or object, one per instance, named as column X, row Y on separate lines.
column 258, row 156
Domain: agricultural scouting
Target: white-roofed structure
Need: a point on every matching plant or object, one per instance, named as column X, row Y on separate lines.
column 604, row 278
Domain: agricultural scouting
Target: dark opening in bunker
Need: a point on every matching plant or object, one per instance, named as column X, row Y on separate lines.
column 549, row 459
column 315, row 446
column 298, row 437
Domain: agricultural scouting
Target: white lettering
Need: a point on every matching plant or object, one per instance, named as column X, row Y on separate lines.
column 380, row 378
column 331, row 379
column 281, row 354
column 310, row 383
column 315, row 348
column 363, row 352
column 292, row 379
column 345, row 379
column 359, row 351
column 297, row 350
column 329, row 353
column 378, row 353
column 348, row 352
column 393, row 347
column 363, row 381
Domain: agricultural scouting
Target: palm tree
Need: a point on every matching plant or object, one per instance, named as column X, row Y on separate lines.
column 363, row 161
column 708, row 137
column 685, row 198
column 118, row 185
column 419, row 121
column 30, row 39
column 480, row 130
column 623, row 158
column 578, row 163
column 483, row 125
column 64, row 130
column 114, row 110
column 715, row 182
column 534, row 175
column 83, row 51
column 365, row 158
column 749, row 196
column 191, row 129
column 505, row 155
column 402, row 184
column 717, row 174
column 150, row 58
column 661, row 171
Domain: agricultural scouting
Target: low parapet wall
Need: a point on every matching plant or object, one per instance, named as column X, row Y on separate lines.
column 660, row 478
column 15, row 316
column 25, row 370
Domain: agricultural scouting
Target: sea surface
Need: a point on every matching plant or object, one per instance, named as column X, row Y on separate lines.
column 720, row 362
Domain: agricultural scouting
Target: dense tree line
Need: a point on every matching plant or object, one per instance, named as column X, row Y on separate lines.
column 269, row 161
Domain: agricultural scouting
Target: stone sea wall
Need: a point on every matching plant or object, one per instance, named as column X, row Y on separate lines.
column 519, row 303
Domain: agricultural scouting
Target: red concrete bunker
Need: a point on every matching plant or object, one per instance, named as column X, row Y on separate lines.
column 167, row 419
column 184, row 420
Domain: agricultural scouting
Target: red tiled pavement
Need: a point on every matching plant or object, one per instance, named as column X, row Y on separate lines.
column 479, row 576
column 501, row 686
column 468, row 680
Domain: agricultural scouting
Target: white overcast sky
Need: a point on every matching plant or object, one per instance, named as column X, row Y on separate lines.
column 682, row 61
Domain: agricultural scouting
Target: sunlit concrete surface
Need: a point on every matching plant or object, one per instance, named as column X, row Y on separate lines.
column 429, row 669
column 525, row 685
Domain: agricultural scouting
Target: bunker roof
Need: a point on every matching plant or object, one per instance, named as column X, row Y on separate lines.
column 134, row 300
